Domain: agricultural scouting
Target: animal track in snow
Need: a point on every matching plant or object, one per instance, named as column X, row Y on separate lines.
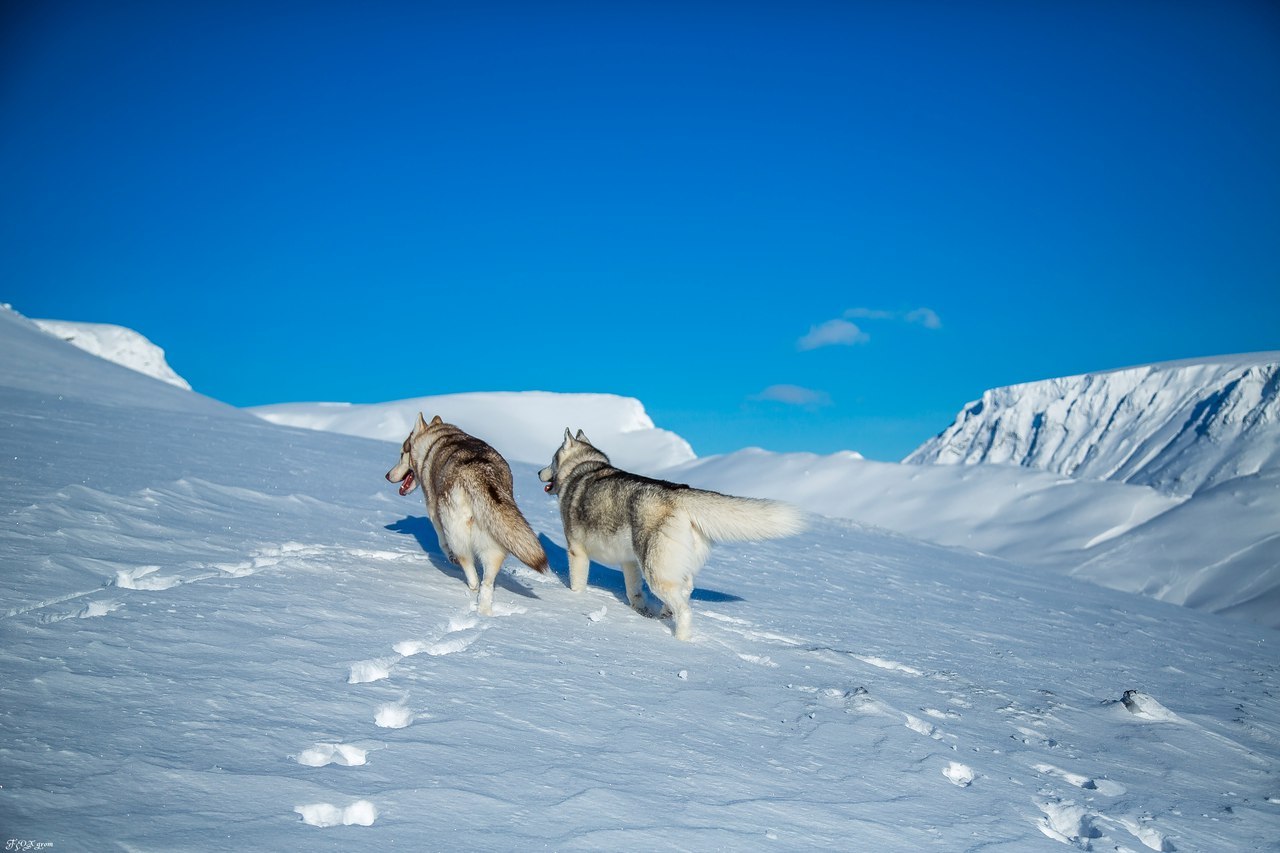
column 453, row 639
column 920, row 726
column 100, row 608
column 1146, row 707
column 1067, row 822
column 759, row 660
column 1072, row 823
column 940, row 715
column 332, row 753
column 500, row 608
column 746, row 629
column 376, row 669
column 393, row 715
column 359, row 813
column 446, row 646
column 1103, row 786
column 143, row 578
column 958, row 774
column 890, row 665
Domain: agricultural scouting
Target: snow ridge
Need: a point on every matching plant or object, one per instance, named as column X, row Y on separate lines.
column 1179, row 427
column 117, row 344
column 525, row 426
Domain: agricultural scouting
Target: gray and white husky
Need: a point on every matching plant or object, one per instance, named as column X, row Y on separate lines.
column 655, row 529
column 467, row 487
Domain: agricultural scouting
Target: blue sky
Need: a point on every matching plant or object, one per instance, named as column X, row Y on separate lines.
column 801, row 226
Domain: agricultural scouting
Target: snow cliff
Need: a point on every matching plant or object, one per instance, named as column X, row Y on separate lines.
column 1177, row 426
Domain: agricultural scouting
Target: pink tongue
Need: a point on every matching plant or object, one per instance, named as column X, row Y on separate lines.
column 407, row 484
column 547, row 487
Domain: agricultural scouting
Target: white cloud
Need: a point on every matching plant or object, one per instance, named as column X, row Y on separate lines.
column 926, row 317
column 794, row 395
column 832, row 333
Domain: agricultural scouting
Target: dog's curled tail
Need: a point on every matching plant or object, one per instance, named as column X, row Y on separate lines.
column 497, row 513
column 727, row 518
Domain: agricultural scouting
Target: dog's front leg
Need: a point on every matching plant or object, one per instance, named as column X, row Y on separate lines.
column 579, row 564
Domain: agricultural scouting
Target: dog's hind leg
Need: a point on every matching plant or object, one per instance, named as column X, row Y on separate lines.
column 635, row 591
column 492, row 562
column 579, row 565
column 676, row 597
column 468, row 562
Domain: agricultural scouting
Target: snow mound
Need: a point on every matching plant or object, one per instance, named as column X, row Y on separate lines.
column 525, row 426
column 1177, row 426
column 1032, row 517
column 117, row 344
column 1216, row 551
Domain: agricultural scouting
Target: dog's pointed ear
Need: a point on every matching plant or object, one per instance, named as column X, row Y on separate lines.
column 421, row 424
column 436, row 421
column 582, row 436
column 568, row 437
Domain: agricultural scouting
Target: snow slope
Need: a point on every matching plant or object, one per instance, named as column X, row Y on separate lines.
column 1031, row 517
column 1177, row 426
column 220, row 633
column 521, row 425
column 116, row 343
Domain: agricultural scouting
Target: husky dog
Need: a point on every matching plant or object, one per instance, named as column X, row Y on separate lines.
column 467, row 487
column 653, row 528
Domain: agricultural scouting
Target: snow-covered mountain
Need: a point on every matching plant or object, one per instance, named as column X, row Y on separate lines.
column 117, row 344
column 221, row 633
column 1176, row 426
column 524, row 426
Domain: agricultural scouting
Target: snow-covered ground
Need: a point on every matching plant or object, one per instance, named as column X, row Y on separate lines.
column 221, row 633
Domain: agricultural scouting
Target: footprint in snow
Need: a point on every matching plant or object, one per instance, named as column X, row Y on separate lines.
column 332, row 753
column 394, row 715
column 891, row 665
column 446, row 646
column 359, row 813
column 1103, row 786
column 455, row 638
column 958, row 774
column 1067, row 822
column 1146, row 707
column 1074, row 824
column 376, row 669
column 143, row 577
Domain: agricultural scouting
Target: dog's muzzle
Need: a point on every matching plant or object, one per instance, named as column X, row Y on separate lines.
column 406, row 485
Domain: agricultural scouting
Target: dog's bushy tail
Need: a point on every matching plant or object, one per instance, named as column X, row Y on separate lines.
column 497, row 513
column 726, row 518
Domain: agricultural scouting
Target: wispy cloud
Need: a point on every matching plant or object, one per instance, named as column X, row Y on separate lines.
column 926, row 317
column 794, row 395
column 832, row 333
column 869, row 314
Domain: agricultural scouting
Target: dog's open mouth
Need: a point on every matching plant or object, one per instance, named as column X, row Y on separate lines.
column 406, row 484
